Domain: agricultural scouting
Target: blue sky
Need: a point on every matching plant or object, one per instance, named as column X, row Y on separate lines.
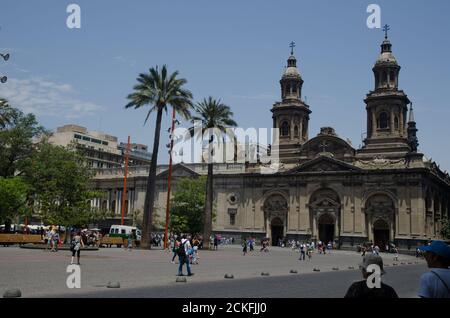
column 233, row 50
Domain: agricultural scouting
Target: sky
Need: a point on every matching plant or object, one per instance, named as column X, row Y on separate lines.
column 233, row 50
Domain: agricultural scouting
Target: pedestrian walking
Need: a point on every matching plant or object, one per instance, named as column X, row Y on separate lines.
column 436, row 282
column 176, row 246
column 244, row 246
column 302, row 251
column 216, row 242
column 75, row 246
column 252, row 241
column 183, row 256
column 310, row 249
column 130, row 240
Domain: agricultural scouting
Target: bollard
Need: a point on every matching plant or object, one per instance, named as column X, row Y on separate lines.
column 230, row 276
column 181, row 279
column 12, row 293
column 264, row 274
column 293, row 271
column 113, row 285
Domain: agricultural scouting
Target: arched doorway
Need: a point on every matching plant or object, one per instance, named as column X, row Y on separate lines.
column 380, row 212
column 381, row 234
column 275, row 214
column 325, row 210
column 326, row 226
column 277, row 230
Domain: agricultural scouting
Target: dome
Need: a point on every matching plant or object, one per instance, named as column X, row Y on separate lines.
column 386, row 57
column 291, row 71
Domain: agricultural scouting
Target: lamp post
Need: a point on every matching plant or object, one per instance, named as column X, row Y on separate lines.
column 5, row 57
column 124, row 192
column 169, row 181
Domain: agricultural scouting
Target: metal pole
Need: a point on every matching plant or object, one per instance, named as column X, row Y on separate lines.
column 166, row 231
column 124, row 192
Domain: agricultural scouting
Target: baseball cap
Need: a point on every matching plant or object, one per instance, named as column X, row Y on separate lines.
column 372, row 259
column 437, row 247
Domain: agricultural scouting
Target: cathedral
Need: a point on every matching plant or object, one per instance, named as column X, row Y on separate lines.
column 325, row 189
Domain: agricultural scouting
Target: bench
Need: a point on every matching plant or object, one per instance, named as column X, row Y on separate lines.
column 110, row 241
column 11, row 239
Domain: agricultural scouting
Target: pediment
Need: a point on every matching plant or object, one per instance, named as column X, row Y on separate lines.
column 324, row 164
column 179, row 170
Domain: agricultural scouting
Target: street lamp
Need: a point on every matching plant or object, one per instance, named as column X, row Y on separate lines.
column 5, row 56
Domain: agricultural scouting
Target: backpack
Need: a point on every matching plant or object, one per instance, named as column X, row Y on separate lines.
column 73, row 243
column 181, row 250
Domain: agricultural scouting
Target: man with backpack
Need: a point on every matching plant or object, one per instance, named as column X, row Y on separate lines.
column 183, row 256
column 436, row 282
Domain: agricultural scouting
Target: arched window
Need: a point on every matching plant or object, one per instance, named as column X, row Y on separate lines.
column 377, row 80
column 392, row 78
column 285, row 129
column 383, row 121
column 396, row 123
column 296, row 131
column 288, row 89
column 384, row 78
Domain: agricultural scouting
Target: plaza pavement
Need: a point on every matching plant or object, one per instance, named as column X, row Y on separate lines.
column 39, row 273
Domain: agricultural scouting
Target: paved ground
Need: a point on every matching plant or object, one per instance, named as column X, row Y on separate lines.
column 149, row 274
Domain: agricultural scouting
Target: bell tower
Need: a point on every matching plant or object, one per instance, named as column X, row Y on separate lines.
column 291, row 115
column 387, row 107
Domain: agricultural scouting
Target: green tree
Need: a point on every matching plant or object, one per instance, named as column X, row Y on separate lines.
column 445, row 229
column 17, row 142
column 158, row 89
column 59, row 180
column 5, row 113
column 13, row 202
column 213, row 114
column 187, row 206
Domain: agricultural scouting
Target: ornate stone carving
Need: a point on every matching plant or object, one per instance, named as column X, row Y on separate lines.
column 275, row 206
column 379, row 161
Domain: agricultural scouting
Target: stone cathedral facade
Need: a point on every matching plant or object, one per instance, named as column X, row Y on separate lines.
column 386, row 191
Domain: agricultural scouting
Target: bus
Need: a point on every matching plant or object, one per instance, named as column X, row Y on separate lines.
column 123, row 231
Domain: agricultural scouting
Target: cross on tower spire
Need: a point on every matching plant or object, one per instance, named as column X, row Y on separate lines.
column 386, row 28
column 292, row 45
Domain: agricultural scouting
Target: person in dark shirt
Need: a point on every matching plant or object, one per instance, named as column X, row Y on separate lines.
column 361, row 290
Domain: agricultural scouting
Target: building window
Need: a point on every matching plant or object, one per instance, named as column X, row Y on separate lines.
column 396, row 123
column 232, row 213
column 76, row 136
column 296, row 131
column 285, row 129
column 113, row 206
column 383, row 121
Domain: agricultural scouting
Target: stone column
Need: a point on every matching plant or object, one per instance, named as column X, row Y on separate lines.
column 374, row 124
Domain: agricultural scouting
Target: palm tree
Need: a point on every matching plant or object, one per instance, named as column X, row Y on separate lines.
column 5, row 113
column 158, row 89
column 213, row 114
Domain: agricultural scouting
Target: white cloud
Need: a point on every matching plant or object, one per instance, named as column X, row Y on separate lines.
column 46, row 98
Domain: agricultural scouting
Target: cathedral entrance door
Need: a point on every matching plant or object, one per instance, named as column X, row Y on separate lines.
column 277, row 231
column 381, row 234
column 326, row 228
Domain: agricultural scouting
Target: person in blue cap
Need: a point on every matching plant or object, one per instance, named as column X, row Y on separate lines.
column 436, row 282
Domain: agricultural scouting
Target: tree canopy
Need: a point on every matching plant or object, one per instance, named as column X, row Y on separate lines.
column 187, row 205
